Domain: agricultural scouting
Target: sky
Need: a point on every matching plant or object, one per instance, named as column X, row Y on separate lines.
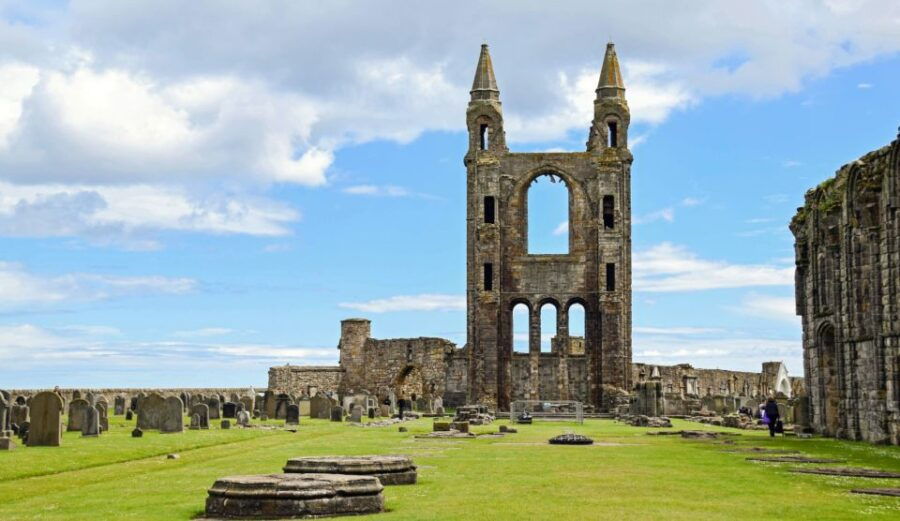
column 191, row 193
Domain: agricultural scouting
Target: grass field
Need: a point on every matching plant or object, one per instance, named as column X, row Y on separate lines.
column 625, row 475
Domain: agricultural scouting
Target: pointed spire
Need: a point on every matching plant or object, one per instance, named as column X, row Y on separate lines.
column 611, row 84
column 485, row 85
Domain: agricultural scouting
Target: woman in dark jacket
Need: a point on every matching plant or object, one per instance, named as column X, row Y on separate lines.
column 771, row 410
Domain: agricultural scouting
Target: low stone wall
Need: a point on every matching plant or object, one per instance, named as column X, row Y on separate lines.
column 111, row 392
column 294, row 379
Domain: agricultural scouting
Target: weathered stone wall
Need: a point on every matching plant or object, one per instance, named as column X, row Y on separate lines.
column 847, row 246
column 302, row 380
column 595, row 272
column 129, row 392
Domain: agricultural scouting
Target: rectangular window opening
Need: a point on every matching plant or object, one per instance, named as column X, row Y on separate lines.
column 488, row 276
column 613, row 140
column 609, row 217
column 484, row 137
column 489, row 209
column 610, row 277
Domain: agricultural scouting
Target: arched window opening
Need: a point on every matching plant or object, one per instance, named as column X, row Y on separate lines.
column 484, row 133
column 489, row 209
column 612, row 138
column 609, row 216
column 828, row 375
column 520, row 328
column 548, row 215
column 548, row 326
column 576, row 329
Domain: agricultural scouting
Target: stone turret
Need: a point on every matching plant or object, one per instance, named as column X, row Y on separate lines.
column 354, row 333
column 609, row 130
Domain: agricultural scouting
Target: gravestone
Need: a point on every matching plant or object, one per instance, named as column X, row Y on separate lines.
column 76, row 394
column 119, row 406
column 371, row 413
column 337, row 413
column 438, row 405
column 229, row 410
column 129, row 415
column 268, row 404
column 293, row 415
column 171, row 419
column 243, row 419
column 90, row 426
column 384, row 410
column 7, row 444
column 195, row 421
column 226, row 424
column 320, row 407
column 103, row 416
column 137, row 433
column 151, row 412
column 215, row 408
column 234, row 398
column 247, row 402
column 303, row 404
column 77, row 409
column 20, row 400
column 19, row 414
column 133, row 403
column 281, row 404
column 356, row 414
column 201, row 410
column 23, row 431
column 46, row 420
column 185, row 400
column 5, row 414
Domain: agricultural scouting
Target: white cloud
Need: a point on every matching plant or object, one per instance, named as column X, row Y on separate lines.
column 562, row 228
column 647, row 330
column 204, row 332
column 770, row 307
column 664, row 214
column 20, row 287
column 668, row 268
column 384, row 191
column 422, row 302
column 864, row 85
column 130, row 214
column 691, row 201
column 727, row 350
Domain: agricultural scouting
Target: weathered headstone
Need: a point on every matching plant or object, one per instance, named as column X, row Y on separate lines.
column 195, row 421
column 226, row 424
column 281, row 403
column 337, row 413
column 77, row 408
column 303, row 404
column 7, row 444
column 229, row 409
column 129, row 415
column 356, row 414
column 201, row 410
column 320, row 406
column 103, row 416
column 268, row 404
column 19, row 414
column 119, row 406
column 46, row 420
column 384, row 410
column 151, row 412
column 247, row 401
column 137, row 433
column 90, row 426
column 293, row 415
column 215, row 408
column 243, row 419
column 172, row 417
column 371, row 413
column 5, row 414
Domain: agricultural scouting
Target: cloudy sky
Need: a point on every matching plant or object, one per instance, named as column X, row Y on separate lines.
column 191, row 192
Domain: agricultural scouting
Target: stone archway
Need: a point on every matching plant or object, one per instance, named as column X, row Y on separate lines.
column 828, row 379
column 409, row 384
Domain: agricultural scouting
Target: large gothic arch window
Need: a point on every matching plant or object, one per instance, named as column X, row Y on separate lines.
column 828, row 378
column 520, row 318
column 548, row 215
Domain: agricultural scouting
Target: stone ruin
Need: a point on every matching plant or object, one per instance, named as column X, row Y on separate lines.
column 847, row 249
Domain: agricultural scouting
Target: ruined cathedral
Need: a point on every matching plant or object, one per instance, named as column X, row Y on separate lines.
column 595, row 274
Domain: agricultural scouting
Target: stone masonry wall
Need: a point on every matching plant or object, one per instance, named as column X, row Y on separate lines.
column 299, row 380
column 847, row 248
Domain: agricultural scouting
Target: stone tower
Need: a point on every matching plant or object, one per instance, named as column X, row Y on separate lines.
column 595, row 273
column 354, row 333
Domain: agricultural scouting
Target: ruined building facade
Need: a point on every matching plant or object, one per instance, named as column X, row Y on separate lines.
column 848, row 293
column 595, row 273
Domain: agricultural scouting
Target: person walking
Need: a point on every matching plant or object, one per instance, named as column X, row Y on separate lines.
column 771, row 411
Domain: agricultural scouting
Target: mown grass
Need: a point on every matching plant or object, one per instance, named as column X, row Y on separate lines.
column 626, row 475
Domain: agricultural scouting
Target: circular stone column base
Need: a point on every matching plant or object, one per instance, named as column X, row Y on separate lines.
column 293, row 496
column 390, row 470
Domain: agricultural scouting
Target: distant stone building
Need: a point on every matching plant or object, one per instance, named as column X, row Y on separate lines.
column 848, row 272
column 595, row 273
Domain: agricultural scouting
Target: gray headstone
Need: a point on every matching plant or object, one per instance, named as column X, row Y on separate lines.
column 104, row 417
column 215, row 409
column 293, row 415
column 303, row 404
column 151, row 412
column 320, row 406
column 171, row 419
column 90, row 426
column 337, row 413
column 202, row 411
column 243, row 418
column 195, row 421
column 356, row 414
column 119, row 406
column 226, row 424
column 77, row 409
column 46, row 420
column 229, row 409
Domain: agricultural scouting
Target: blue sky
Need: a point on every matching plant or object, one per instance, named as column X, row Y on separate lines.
column 191, row 195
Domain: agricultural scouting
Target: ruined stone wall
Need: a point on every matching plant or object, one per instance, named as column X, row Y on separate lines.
column 407, row 366
column 300, row 380
column 847, row 248
column 110, row 393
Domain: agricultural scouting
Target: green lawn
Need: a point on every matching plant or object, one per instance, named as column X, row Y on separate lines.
column 625, row 475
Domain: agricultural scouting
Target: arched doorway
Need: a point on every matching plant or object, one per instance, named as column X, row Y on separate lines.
column 828, row 378
column 409, row 384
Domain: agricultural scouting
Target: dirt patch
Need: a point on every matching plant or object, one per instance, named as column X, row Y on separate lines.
column 796, row 459
column 895, row 492
column 850, row 472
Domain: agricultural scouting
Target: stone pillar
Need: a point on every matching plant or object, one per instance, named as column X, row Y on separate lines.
column 354, row 333
column 562, row 341
column 534, row 354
